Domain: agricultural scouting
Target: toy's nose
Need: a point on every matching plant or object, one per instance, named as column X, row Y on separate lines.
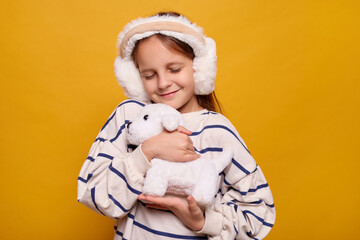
column 128, row 125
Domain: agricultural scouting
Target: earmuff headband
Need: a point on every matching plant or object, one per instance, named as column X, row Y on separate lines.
column 157, row 27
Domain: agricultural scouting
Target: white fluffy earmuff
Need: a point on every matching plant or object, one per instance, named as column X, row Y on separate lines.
column 204, row 63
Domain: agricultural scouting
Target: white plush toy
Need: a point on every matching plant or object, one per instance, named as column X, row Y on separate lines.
column 197, row 178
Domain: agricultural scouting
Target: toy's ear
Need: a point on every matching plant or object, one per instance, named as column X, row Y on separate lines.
column 170, row 121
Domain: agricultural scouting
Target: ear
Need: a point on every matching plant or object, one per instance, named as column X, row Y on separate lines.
column 170, row 121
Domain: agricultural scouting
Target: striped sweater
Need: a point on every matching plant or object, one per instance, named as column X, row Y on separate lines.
column 112, row 177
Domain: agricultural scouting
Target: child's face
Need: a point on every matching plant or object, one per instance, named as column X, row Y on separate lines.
column 167, row 75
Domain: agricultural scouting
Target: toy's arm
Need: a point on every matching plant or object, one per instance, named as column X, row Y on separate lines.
column 111, row 178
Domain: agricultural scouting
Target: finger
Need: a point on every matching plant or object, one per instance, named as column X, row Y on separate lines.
column 154, row 200
column 183, row 130
column 190, row 142
column 194, row 155
column 192, row 202
column 156, row 206
column 141, row 197
column 187, row 157
column 193, row 207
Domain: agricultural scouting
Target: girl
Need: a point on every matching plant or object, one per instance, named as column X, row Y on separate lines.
column 167, row 59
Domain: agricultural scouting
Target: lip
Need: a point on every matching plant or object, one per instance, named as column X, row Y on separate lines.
column 169, row 94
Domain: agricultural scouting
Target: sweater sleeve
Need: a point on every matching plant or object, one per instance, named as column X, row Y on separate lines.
column 111, row 177
column 244, row 205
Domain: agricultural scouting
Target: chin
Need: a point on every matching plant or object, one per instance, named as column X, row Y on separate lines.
column 170, row 103
column 174, row 105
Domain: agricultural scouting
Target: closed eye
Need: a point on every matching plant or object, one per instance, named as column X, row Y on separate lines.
column 175, row 70
column 148, row 77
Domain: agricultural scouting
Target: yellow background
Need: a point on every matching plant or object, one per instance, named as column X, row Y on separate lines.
column 288, row 77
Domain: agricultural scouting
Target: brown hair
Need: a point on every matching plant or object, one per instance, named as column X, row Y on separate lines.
column 209, row 102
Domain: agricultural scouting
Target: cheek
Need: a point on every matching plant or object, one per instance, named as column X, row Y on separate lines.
column 190, row 81
column 149, row 86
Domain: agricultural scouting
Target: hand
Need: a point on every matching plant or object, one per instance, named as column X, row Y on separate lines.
column 173, row 146
column 188, row 212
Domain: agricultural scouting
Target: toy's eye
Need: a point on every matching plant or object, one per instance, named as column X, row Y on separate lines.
column 146, row 117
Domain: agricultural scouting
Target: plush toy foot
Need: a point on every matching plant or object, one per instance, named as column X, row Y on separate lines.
column 154, row 187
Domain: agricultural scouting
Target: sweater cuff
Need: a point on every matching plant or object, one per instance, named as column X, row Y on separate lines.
column 213, row 223
column 139, row 161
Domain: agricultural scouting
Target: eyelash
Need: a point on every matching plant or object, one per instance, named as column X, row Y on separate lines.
column 176, row 70
column 149, row 77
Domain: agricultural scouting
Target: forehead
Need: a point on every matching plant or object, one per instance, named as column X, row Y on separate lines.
column 152, row 50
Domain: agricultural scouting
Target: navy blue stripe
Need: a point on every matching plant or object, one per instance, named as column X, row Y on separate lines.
column 93, row 199
column 120, row 131
column 241, row 193
column 237, row 232
column 254, row 202
column 240, row 167
column 210, row 149
column 112, row 116
column 258, row 218
column 236, row 208
column 270, row 205
column 160, row 233
column 120, row 234
column 222, row 127
column 100, row 155
column 123, row 178
column 109, row 119
column 226, row 182
column 249, row 235
column 219, row 191
column 100, row 139
column 207, row 113
column 233, row 204
column 85, row 180
column 251, row 190
column 223, row 173
column 105, row 156
column 259, row 187
column 118, row 204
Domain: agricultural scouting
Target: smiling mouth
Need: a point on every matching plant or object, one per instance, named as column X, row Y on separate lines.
column 169, row 94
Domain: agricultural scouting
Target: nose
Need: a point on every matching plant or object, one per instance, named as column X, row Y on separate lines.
column 163, row 81
column 128, row 125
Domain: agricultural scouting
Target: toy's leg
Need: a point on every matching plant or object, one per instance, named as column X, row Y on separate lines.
column 154, row 184
column 204, row 191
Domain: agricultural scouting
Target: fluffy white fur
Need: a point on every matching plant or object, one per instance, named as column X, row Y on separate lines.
column 204, row 62
column 198, row 178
